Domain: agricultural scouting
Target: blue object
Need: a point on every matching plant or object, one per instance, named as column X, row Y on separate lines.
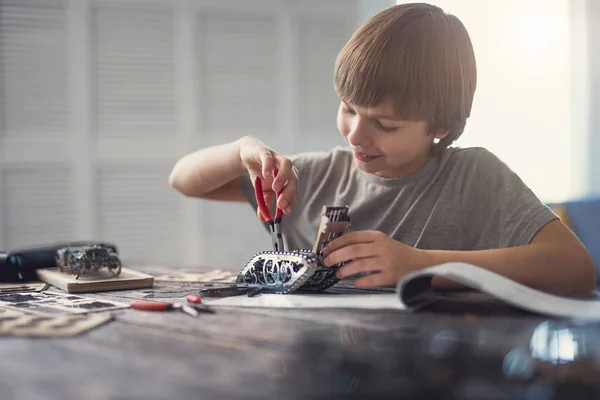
column 584, row 218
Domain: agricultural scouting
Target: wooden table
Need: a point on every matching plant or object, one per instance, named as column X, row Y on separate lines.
column 269, row 353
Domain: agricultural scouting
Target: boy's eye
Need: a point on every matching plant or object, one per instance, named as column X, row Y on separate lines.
column 386, row 128
column 346, row 110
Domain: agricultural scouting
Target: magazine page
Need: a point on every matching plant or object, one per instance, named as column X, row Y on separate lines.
column 415, row 288
column 379, row 301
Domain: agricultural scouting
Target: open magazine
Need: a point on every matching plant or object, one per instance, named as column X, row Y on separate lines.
column 414, row 292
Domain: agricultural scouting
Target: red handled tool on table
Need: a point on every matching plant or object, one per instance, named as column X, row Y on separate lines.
column 193, row 298
column 192, row 309
column 274, row 224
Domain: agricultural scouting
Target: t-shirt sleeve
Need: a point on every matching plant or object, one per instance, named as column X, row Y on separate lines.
column 498, row 209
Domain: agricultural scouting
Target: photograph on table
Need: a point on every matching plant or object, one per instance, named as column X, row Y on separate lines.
column 56, row 303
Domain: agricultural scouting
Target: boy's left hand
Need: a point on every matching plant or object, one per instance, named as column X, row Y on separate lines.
column 372, row 251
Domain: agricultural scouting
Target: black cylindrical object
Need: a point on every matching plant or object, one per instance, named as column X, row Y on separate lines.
column 21, row 264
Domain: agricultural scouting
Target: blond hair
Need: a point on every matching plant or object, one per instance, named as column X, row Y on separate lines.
column 418, row 57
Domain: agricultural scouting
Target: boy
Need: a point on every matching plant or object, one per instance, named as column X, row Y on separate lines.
column 406, row 80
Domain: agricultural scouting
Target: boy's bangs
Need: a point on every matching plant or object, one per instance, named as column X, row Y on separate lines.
column 370, row 73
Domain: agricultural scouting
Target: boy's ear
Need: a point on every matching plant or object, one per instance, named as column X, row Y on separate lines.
column 441, row 133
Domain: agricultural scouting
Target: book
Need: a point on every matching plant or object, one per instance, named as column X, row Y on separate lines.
column 414, row 292
column 100, row 281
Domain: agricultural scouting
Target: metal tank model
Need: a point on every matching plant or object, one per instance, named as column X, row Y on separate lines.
column 80, row 260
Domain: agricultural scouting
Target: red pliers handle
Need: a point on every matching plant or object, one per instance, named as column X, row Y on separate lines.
column 274, row 224
column 188, row 308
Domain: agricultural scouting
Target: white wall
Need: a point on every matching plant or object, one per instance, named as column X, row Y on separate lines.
column 99, row 98
column 531, row 103
column 593, row 26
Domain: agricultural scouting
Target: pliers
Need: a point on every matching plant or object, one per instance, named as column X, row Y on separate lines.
column 192, row 309
column 273, row 224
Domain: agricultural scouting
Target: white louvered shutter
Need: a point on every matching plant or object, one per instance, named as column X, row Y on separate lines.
column 319, row 39
column 238, row 63
column 36, row 196
column 139, row 212
column 33, row 69
column 133, row 67
column 133, row 50
column 38, row 201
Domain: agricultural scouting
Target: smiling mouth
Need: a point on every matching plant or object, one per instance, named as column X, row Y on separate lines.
column 364, row 157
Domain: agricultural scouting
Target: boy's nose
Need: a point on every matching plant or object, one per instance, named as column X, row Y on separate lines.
column 359, row 136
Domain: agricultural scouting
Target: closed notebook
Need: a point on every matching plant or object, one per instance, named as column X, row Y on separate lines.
column 100, row 281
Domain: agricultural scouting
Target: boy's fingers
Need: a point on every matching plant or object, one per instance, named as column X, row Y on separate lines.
column 284, row 174
column 350, row 238
column 289, row 195
column 347, row 253
column 285, row 182
column 356, row 267
column 255, row 172
column 268, row 163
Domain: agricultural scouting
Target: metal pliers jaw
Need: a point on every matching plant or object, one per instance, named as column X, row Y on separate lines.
column 276, row 235
column 274, row 224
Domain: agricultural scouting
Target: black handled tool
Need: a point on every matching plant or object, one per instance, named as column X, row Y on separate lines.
column 227, row 291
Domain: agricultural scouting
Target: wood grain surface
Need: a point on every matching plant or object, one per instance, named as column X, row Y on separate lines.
column 235, row 353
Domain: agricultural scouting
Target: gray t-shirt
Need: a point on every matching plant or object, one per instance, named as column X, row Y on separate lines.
column 462, row 199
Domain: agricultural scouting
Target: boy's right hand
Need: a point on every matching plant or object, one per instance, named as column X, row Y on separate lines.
column 260, row 161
